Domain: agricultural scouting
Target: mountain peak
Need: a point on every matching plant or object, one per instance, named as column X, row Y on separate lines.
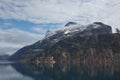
column 70, row 23
column 48, row 33
column 100, row 23
column 51, row 38
column 117, row 30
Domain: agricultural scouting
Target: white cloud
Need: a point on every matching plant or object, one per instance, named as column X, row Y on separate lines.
column 13, row 39
column 9, row 45
column 39, row 29
column 84, row 11
column 42, row 30
column 52, row 11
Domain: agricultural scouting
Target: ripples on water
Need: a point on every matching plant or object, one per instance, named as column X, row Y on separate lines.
column 58, row 72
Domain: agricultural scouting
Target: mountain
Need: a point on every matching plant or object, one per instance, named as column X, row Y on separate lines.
column 85, row 49
column 70, row 30
column 71, row 23
column 4, row 57
column 48, row 33
column 117, row 30
column 96, row 28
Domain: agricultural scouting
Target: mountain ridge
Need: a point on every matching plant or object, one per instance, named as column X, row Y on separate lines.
column 94, row 49
column 32, row 51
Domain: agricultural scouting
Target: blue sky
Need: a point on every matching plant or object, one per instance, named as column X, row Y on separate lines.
column 17, row 33
column 23, row 22
column 28, row 26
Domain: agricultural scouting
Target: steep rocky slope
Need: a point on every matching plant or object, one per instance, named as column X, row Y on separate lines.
column 100, row 49
column 70, row 31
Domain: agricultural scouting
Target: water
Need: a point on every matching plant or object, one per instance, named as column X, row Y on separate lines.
column 58, row 72
column 8, row 72
column 6, row 62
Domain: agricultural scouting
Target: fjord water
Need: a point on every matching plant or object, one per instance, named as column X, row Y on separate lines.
column 57, row 72
column 8, row 72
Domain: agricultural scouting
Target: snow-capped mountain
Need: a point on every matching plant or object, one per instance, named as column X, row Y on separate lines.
column 117, row 30
column 51, row 38
column 71, row 27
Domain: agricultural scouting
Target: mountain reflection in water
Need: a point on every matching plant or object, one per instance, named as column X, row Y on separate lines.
column 68, row 72
column 8, row 72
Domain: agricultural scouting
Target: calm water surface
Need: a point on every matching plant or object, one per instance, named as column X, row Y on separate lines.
column 58, row 72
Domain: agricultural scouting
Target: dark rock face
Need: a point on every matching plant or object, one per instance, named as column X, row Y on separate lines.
column 32, row 51
column 97, row 28
column 94, row 49
column 117, row 30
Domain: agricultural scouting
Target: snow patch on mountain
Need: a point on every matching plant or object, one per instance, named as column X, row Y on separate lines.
column 48, row 34
column 72, row 28
column 67, row 31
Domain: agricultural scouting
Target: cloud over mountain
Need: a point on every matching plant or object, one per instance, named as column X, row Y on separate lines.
column 51, row 11
column 40, row 11
column 13, row 39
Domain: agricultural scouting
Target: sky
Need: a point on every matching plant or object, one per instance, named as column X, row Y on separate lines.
column 23, row 22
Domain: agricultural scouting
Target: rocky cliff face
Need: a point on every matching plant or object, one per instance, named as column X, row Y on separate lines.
column 49, row 43
column 95, row 49
column 96, row 28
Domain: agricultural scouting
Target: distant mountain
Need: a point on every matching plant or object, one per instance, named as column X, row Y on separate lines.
column 4, row 57
column 117, row 30
column 70, row 30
